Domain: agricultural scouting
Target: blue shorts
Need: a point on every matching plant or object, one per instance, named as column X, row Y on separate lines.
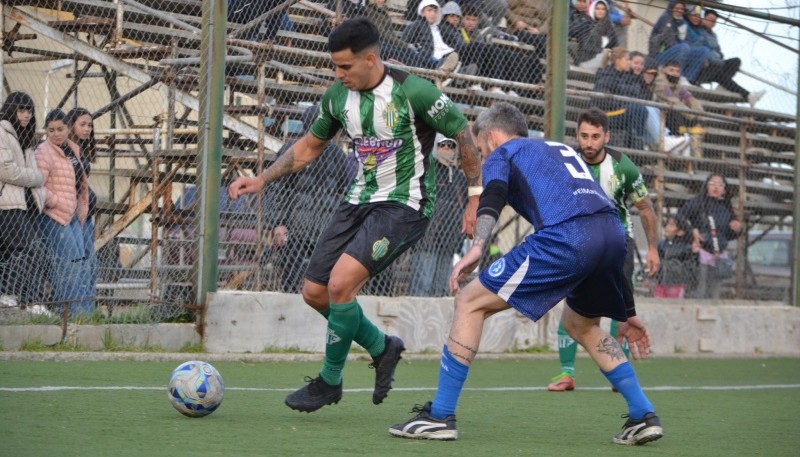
column 580, row 259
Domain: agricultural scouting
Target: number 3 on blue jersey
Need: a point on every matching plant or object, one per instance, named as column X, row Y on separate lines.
column 567, row 152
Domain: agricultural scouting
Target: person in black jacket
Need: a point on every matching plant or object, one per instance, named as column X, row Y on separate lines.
column 713, row 224
column 678, row 254
column 617, row 79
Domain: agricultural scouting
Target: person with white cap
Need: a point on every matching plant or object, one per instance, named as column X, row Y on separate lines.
column 424, row 33
column 432, row 258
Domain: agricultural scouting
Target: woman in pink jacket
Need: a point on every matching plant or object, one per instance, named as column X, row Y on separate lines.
column 21, row 199
column 66, row 209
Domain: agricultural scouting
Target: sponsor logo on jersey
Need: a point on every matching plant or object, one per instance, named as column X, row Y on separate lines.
column 380, row 248
column 496, row 268
column 439, row 107
column 373, row 151
column 390, row 115
column 332, row 338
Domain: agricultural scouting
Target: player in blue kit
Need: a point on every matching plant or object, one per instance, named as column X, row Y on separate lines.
column 577, row 252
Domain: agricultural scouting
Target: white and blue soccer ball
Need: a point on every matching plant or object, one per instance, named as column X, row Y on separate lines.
column 196, row 389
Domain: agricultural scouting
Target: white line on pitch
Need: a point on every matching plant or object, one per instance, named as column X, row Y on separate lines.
column 407, row 389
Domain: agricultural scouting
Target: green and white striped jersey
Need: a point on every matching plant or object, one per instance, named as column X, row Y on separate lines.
column 392, row 128
column 620, row 179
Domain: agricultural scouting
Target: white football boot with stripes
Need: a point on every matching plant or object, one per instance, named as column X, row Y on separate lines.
column 636, row 432
column 423, row 426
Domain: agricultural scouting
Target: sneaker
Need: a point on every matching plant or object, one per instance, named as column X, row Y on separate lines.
column 384, row 366
column 476, row 88
column 562, row 382
column 512, row 93
column 496, row 90
column 470, row 70
column 636, row 432
column 425, row 427
column 8, row 301
column 314, row 396
column 754, row 97
column 450, row 63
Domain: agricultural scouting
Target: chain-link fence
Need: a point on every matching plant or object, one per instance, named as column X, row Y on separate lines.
column 135, row 67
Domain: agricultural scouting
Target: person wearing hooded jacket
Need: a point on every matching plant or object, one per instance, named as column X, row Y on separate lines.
column 426, row 36
column 21, row 199
column 593, row 36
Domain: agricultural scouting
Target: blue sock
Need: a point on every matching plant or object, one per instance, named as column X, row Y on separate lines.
column 452, row 375
column 624, row 379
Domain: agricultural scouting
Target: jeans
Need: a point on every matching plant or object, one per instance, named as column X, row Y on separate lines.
column 653, row 127
column 691, row 59
column 430, row 272
column 70, row 278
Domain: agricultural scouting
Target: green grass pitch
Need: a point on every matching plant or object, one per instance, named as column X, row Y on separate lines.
column 709, row 407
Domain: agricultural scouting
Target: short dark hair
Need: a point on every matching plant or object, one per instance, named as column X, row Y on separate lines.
column 470, row 9
column 709, row 11
column 672, row 63
column 595, row 117
column 355, row 34
column 55, row 115
column 633, row 54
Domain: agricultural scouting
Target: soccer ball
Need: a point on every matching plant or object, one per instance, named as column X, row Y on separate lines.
column 195, row 389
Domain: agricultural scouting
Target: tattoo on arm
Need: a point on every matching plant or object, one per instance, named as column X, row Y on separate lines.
column 611, row 347
column 284, row 165
column 470, row 158
column 483, row 230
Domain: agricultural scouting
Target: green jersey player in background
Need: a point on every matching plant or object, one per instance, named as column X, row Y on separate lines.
column 621, row 180
column 391, row 117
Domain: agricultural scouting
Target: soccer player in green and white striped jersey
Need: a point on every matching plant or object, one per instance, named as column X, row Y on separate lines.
column 392, row 118
column 621, row 181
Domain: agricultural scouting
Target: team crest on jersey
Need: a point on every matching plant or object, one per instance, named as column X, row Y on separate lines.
column 613, row 183
column 390, row 115
column 496, row 268
column 380, row 248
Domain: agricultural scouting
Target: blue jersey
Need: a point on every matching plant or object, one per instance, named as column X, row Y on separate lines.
column 548, row 183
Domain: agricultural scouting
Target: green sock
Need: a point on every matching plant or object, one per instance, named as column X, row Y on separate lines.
column 567, row 348
column 342, row 326
column 614, row 332
column 369, row 337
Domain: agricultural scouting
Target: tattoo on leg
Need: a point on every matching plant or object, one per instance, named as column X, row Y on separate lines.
column 466, row 360
column 472, row 350
column 611, row 347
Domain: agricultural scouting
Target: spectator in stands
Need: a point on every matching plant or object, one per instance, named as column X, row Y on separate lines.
column 670, row 90
column 21, row 199
column 424, row 33
column 66, row 209
column 713, row 224
column 645, row 69
column 637, row 62
column 678, row 253
column 491, row 61
column 718, row 69
column 528, row 21
column 630, row 118
column 81, row 132
column 392, row 47
column 621, row 20
column 301, row 207
column 432, row 258
column 593, row 36
column 669, row 44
